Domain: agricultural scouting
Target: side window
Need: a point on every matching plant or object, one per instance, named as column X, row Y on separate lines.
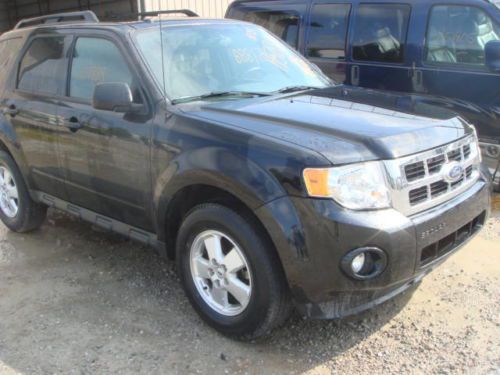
column 380, row 32
column 328, row 30
column 458, row 34
column 96, row 61
column 284, row 24
column 43, row 67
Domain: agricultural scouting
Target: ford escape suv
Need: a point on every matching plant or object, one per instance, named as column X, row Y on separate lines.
column 216, row 143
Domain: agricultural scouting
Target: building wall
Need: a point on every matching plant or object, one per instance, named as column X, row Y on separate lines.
column 205, row 8
column 4, row 19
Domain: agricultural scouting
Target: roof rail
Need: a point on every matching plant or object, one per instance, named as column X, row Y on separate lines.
column 155, row 13
column 83, row 16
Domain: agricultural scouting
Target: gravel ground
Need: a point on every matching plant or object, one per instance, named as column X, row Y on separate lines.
column 77, row 300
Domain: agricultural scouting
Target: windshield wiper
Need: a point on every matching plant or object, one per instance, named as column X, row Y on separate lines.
column 287, row 89
column 216, row 94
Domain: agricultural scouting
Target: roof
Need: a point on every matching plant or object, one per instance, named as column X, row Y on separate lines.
column 123, row 27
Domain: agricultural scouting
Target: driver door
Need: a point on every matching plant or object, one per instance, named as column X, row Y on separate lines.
column 105, row 154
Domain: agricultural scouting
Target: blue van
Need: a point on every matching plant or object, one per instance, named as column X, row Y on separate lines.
column 442, row 52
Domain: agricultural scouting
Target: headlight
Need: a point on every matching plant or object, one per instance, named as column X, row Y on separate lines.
column 356, row 186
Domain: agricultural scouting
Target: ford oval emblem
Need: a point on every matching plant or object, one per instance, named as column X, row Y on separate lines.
column 452, row 172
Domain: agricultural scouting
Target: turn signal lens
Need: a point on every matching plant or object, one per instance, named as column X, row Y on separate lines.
column 317, row 182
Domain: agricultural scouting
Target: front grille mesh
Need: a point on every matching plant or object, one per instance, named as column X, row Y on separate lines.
column 420, row 170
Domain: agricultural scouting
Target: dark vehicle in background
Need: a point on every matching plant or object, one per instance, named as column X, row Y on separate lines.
column 215, row 142
column 443, row 52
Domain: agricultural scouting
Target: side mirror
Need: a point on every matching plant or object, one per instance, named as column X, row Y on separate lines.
column 116, row 97
column 492, row 55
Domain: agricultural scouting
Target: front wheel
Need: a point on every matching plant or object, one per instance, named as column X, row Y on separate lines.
column 231, row 272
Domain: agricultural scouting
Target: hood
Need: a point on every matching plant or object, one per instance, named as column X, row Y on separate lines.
column 344, row 124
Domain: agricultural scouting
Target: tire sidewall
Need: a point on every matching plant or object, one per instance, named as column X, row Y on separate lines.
column 16, row 222
column 235, row 227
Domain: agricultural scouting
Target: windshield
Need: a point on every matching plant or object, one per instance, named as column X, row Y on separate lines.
column 206, row 58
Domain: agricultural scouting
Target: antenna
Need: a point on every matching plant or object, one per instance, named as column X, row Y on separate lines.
column 162, row 56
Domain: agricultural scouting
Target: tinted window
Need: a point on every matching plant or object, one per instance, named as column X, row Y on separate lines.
column 380, row 32
column 43, row 67
column 281, row 23
column 96, row 61
column 458, row 35
column 328, row 30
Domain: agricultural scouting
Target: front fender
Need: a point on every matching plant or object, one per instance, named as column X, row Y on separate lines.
column 215, row 167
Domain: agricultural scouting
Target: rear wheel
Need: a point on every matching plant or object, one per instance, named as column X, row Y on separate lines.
column 17, row 210
column 231, row 273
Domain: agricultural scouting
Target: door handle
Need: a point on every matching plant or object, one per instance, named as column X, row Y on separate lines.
column 11, row 110
column 355, row 75
column 73, row 124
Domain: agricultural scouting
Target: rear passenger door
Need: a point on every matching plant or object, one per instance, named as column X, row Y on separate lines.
column 326, row 37
column 379, row 50
column 105, row 154
column 31, row 107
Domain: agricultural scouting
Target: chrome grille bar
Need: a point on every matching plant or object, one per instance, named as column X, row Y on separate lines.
column 417, row 182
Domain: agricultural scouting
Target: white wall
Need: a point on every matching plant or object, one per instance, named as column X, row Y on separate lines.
column 205, row 8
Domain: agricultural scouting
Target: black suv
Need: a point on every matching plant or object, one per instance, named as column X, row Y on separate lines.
column 216, row 143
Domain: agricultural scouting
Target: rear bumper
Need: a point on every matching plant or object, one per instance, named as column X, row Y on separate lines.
column 314, row 237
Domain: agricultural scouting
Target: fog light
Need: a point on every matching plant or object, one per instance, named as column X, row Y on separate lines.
column 358, row 262
column 364, row 263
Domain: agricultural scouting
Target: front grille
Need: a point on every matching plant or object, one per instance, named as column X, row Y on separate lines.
column 450, row 242
column 417, row 170
column 419, row 195
column 438, row 188
column 434, row 164
column 455, row 155
column 419, row 182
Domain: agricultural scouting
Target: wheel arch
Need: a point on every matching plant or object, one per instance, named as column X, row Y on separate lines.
column 186, row 198
column 9, row 144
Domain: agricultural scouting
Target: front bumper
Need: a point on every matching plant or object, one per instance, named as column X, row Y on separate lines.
column 318, row 233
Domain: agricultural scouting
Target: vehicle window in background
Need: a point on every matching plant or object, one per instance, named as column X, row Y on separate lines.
column 458, row 34
column 380, row 32
column 96, row 61
column 201, row 59
column 328, row 30
column 284, row 24
column 43, row 67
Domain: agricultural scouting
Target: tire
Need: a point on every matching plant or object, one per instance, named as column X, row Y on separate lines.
column 25, row 215
column 269, row 302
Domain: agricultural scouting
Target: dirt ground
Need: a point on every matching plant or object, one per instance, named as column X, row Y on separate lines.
column 77, row 300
